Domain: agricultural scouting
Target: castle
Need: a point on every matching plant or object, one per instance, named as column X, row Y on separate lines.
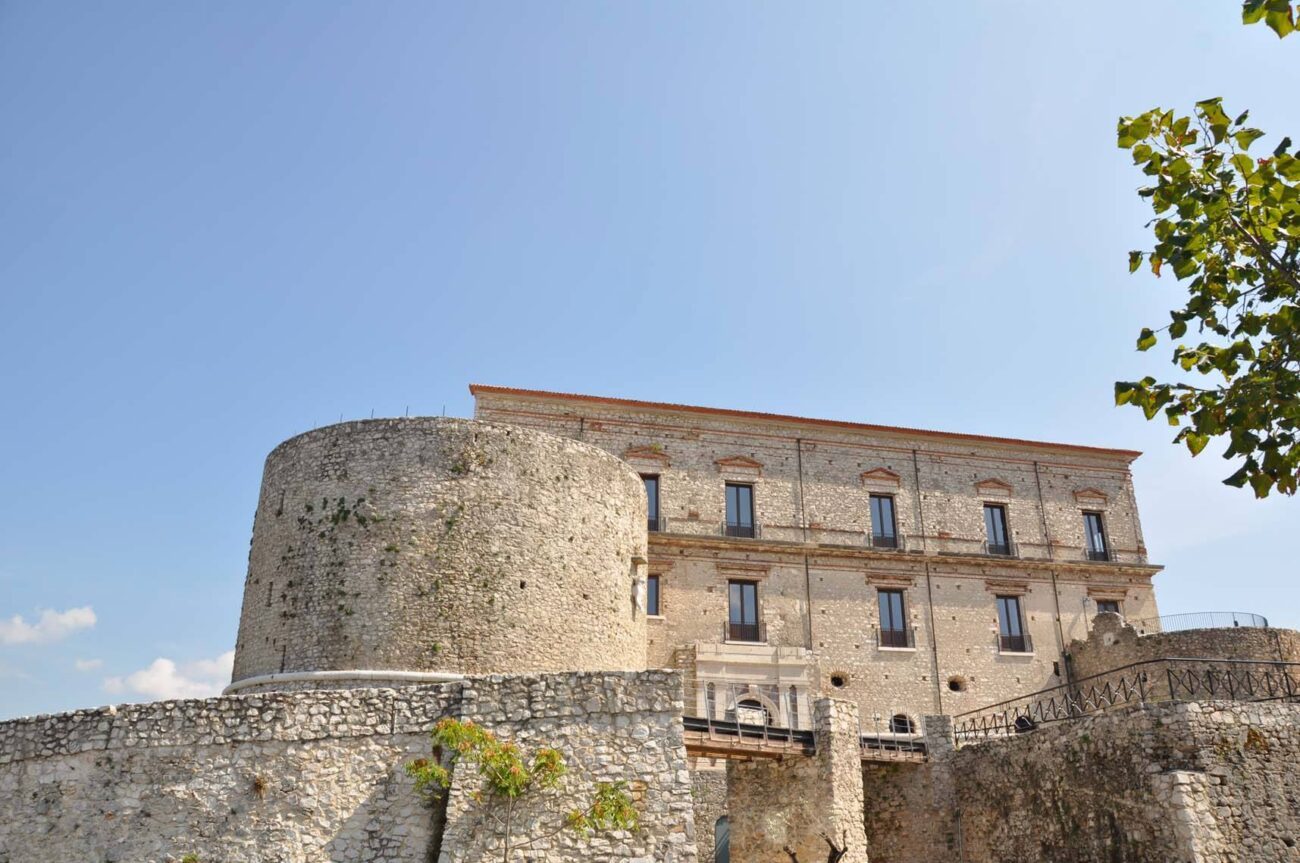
column 793, row 639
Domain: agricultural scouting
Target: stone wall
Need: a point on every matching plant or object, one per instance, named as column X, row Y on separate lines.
column 709, row 794
column 1173, row 783
column 316, row 776
column 443, row 545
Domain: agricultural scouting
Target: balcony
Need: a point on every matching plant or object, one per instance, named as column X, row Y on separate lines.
column 1200, row 620
column 1015, row 643
column 656, row 524
column 754, row 633
column 1000, row 549
column 889, row 541
column 896, row 639
column 746, row 531
column 1096, row 554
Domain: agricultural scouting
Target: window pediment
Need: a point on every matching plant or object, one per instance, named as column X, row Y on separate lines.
column 1091, row 496
column 993, row 488
column 739, row 464
column 880, row 477
column 651, row 452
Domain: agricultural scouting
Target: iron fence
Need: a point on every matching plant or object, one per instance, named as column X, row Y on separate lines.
column 1148, row 682
column 751, row 632
column 745, row 531
column 896, row 638
column 1200, row 620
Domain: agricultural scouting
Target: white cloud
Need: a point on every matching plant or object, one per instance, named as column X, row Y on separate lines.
column 88, row 664
column 164, row 679
column 52, row 626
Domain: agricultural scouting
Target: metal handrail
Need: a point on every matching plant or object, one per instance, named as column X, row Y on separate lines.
column 755, row 633
column 891, row 542
column 656, row 524
column 1150, row 681
column 745, row 531
column 896, row 638
column 1096, row 554
column 1201, row 620
column 1021, row 643
column 1008, row 550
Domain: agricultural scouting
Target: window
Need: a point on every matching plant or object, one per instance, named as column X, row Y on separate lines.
column 893, row 625
column 740, row 510
column 995, row 528
column 652, row 502
column 742, row 616
column 1011, row 629
column 884, row 531
column 1096, row 536
column 1108, row 605
column 722, row 840
column 901, row 723
column 652, row 595
column 794, row 707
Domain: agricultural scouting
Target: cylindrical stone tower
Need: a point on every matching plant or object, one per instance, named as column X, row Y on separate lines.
column 393, row 550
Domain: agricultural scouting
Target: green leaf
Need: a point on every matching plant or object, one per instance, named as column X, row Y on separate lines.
column 1281, row 148
column 1252, row 11
column 1134, row 261
column 1196, row 442
column 1178, row 329
column 1124, row 392
column 1146, row 339
column 1246, row 137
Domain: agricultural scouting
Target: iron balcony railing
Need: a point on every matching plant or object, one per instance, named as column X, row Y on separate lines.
column 1200, row 620
column 755, row 632
column 656, row 524
column 752, row 704
column 1000, row 549
column 1096, row 554
column 1015, row 643
column 1149, row 682
column 747, row 531
column 885, row 540
column 896, row 638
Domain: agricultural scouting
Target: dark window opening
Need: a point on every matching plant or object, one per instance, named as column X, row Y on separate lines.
column 995, row 529
column 1096, row 536
column 956, row 684
column 838, row 681
column 884, row 530
column 722, row 840
column 1011, row 629
column 894, row 631
column 652, row 595
column 652, row 502
column 901, row 724
column 742, row 614
column 740, row 510
column 1108, row 605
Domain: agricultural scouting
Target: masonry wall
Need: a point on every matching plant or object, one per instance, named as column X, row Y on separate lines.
column 1173, row 783
column 1113, row 643
column 443, row 545
column 817, row 577
column 316, row 776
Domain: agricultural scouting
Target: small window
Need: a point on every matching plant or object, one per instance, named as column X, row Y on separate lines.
column 742, row 612
column 652, row 595
column 652, row 501
column 901, row 723
column 794, row 707
column 740, row 510
column 722, row 840
column 1096, row 536
column 839, row 680
column 956, row 684
column 1011, row 628
column 995, row 529
column 1110, row 606
column 894, row 631
column 884, row 530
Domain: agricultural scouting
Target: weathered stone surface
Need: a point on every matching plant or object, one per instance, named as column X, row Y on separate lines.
column 317, row 776
column 443, row 545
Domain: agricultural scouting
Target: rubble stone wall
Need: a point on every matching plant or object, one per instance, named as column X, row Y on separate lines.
column 318, row 776
column 1174, row 783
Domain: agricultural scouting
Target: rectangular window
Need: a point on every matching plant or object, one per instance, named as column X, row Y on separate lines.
column 995, row 529
column 742, row 614
column 894, row 631
column 1011, row 627
column 740, row 510
column 652, row 595
column 1108, row 605
column 1096, row 536
column 652, row 501
column 884, row 531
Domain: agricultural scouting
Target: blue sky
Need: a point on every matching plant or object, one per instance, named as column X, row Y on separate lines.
column 223, row 224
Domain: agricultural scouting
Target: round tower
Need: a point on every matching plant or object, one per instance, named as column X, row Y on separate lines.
column 407, row 550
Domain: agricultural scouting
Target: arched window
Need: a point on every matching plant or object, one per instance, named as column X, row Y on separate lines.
column 900, row 723
column 722, row 840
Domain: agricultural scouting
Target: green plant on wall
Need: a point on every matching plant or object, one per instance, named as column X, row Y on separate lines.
column 512, row 787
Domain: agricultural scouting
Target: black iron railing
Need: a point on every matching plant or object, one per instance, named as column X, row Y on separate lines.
column 755, row 632
column 1015, row 643
column 1200, row 620
column 999, row 549
column 748, row 531
column 656, row 523
column 1097, row 554
column 1149, row 682
column 896, row 637
column 884, row 541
